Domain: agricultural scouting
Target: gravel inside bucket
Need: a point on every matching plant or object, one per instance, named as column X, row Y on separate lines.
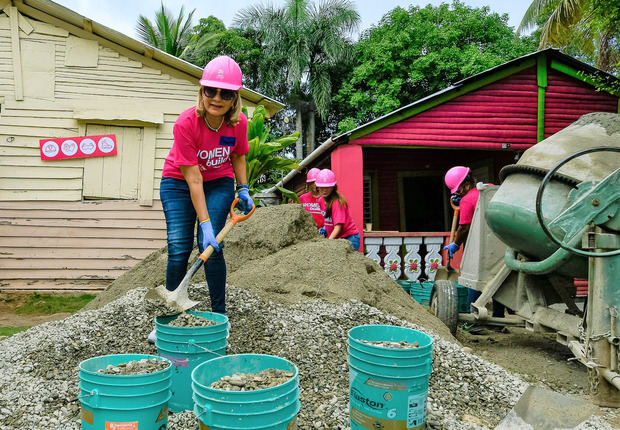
column 267, row 378
column 290, row 294
column 135, row 367
column 191, row 320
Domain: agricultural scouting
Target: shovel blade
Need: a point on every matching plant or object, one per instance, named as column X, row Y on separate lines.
column 541, row 409
column 177, row 299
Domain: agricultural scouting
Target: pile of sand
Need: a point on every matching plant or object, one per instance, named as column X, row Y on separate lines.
column 279, row 255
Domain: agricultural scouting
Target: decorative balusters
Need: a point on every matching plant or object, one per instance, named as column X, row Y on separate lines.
column 412, row 265
column 433, row 257
column 372, row 247
column 392, row 257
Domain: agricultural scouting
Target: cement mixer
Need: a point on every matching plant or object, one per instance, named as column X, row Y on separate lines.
column 554, row 218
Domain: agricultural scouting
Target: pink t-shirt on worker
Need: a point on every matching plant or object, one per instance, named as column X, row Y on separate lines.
column 467, row 206
column 340, row 215
column 313, row 205
column 194, row 144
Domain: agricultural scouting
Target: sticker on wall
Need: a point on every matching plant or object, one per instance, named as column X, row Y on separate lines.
column 78, row 147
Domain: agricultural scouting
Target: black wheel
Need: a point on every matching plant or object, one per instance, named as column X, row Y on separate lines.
column 445, row 303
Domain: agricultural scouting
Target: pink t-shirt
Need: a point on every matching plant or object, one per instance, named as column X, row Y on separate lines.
column 467, row 206
column 313, row 205
column 194, row 144
column 340, row 215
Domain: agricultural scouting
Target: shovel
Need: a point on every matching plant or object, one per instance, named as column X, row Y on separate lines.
column 178, row 299
column 445, row 273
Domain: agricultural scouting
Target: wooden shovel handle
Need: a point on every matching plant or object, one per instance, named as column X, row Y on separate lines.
column 234, row 219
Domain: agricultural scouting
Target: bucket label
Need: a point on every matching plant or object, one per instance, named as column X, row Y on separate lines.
column 204, row 427
column 121, row 426
column 292, row 425
column 416, row 410
column 177, row 361
column 87, row 416
column 371, row 423
column 162, row 414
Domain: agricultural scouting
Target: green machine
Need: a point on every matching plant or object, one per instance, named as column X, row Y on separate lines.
column 554, row 218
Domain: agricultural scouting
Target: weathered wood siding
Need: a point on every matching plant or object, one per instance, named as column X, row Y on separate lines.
column 566, row 99
column 503, row 112
column 76, row 240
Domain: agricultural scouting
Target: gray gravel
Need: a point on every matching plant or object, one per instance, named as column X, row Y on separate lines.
column 39, row 367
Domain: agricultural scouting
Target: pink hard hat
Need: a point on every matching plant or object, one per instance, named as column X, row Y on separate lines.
column 325, row 178
column 222, row 72
column 312, row 173
column 455, row 176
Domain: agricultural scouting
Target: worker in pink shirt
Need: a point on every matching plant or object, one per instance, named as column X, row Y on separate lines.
column 311, row 201
column 338, row 221
column 465, row 194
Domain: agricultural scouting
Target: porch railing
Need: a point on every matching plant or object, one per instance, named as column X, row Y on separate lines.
column 406, row 255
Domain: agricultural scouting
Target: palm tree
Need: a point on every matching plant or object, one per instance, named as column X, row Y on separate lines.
column 168, row 34
column 300, row 42
column 589, row 26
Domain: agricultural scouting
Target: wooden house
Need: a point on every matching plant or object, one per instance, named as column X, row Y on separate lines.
column 391, row 170
column 64, row 75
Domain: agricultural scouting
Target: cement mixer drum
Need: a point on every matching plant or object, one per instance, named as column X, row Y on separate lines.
column 511, row 213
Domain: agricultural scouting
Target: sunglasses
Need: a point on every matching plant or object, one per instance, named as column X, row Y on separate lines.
column 224, row 94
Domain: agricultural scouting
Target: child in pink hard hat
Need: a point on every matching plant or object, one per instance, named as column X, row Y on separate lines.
column 198, row 180
column 338, row 221
column 311, row 201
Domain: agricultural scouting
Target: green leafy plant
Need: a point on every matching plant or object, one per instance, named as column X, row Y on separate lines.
column 11, row 330
column 263, row 155
column 51, row 304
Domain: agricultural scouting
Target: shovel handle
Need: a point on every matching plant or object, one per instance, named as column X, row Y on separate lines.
column 234, row 219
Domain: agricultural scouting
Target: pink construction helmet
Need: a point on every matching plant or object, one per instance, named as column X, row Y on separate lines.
column 312, row 173
column 222, row 72
column 455, row 176
column 325, row 178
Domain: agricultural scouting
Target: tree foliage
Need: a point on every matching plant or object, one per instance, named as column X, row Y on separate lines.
column 168, row 33
column 263, row 158
column 412, row 53
column 589, row 28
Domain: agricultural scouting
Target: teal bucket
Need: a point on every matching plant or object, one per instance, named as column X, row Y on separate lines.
column 388, row 387
column 186, row 348
column 274, row 408
column 123, row 401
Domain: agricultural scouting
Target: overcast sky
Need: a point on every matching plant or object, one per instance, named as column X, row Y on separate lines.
column 121, row 15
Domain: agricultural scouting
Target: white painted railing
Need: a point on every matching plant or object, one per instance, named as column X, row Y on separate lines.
column 408, row 255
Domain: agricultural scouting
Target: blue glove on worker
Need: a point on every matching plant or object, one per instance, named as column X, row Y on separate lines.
column 323, row 231
column 456, row 199
column 208, row 238
column 245, row 201
column 452, row 249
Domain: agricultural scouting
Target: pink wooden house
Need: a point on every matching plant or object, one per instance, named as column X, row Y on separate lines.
column 391, row 169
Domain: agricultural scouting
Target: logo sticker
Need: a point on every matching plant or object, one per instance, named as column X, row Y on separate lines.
column 106, row 145
column 69, row 147
column 121, row 426
column 88, row 146
column 227, row 141
column 51, row 148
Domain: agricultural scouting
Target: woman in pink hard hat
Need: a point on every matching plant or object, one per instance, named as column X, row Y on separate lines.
column 198, row 179
column 311, row 201
column 338, row 221
column 465, row 194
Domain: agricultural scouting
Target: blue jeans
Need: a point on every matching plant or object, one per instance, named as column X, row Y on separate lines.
column 354, row 239
column 181, row 225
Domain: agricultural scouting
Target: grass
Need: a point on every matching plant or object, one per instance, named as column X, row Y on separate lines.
column 47, row 304
column 10, row 331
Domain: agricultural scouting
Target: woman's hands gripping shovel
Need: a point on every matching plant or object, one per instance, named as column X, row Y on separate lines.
column 178, row 299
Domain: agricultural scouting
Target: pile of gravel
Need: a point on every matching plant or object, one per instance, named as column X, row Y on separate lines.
column 39, row 367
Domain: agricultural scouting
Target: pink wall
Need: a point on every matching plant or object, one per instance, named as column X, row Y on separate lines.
column 348, row 165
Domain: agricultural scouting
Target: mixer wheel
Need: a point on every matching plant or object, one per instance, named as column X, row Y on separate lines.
column 445, row 302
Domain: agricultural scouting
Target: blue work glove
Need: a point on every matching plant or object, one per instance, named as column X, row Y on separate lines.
column 452, row 249
column 208, row 238
column 245, row 201
column 456, row 199
column 323, row 231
